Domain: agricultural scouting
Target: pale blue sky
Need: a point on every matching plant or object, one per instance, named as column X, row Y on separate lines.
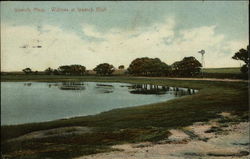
column 229, row 17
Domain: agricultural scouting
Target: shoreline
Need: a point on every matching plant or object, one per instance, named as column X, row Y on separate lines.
column 63, row 78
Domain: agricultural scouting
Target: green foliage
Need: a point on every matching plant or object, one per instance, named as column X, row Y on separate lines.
column 187, row 67
column 244, row 68
column 56, row 72
column 64, row 70
column 243, row 55
column 148, row 67
column 104, row 69
column 49, row 71
column 121, row 67
column 72, row 70
column 27, row 70
column 77, row 69
column 145, row 66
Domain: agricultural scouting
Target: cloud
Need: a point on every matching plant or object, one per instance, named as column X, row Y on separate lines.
column 115, row 46
column 58, row 47
column 89, row 30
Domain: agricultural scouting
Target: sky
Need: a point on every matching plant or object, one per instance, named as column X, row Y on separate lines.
column 50, row 34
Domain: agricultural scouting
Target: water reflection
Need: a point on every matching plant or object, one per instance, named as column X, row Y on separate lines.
column 72, row 86
column 104, row 88
column 104, row 85
column 27, row 84
column 68, row 85
column 147, row 89
column 133, row 89
column 159, row 90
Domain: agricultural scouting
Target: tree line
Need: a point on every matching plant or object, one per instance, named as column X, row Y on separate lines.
column 145, row 66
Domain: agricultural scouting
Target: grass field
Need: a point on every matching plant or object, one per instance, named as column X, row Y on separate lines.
column 135, row 124
column 233, row 70
column 231, row 73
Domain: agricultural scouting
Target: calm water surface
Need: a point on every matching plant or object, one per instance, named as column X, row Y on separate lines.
column 27, row 102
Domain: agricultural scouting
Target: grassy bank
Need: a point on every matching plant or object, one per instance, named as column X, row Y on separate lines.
column 135, row 124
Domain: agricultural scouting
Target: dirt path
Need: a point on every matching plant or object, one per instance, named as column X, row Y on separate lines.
column 211, row 140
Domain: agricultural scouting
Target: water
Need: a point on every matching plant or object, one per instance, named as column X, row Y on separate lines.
column 28, row 102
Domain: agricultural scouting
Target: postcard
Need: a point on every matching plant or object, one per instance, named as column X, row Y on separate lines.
column 124, row 79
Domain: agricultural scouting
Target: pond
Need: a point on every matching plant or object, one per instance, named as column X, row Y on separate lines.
column 28, row 102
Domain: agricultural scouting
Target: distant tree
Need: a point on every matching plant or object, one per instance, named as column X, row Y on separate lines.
column 244, row 56
column 49, row 71
column 77, row 70
column 65, row 70
column 175, row 68
column 121, row 67
column 72, row 70
column 137, row 66
column 188, row 66
column 148, row 67
column 104, row 69
column 155, row 67
column 56, row 72
column 27, row 71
